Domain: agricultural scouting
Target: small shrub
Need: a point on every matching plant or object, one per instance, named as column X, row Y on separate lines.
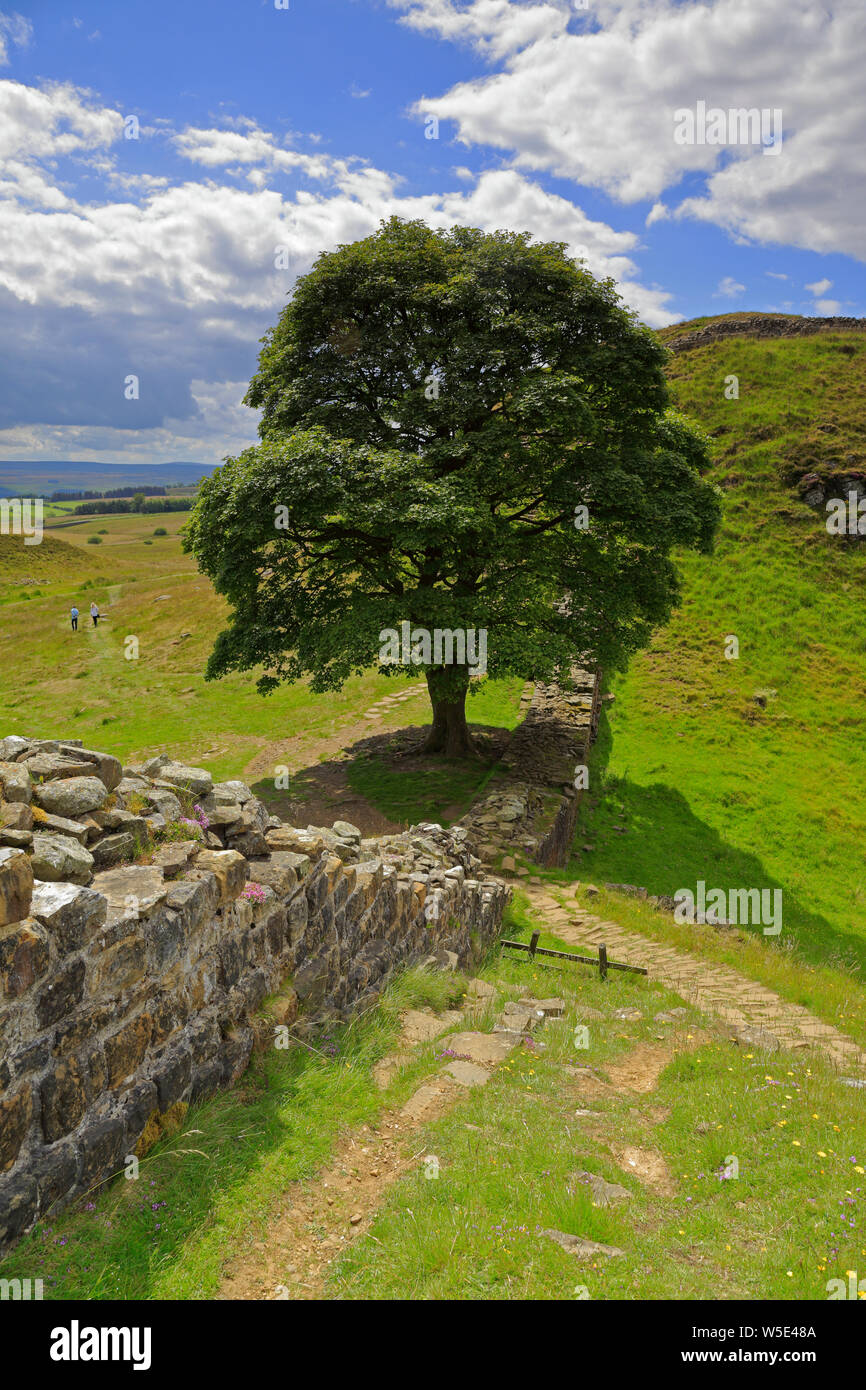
column 94, row 540
column 160, row 531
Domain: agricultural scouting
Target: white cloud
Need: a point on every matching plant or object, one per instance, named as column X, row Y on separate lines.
column 176, row 281
column 827, row 308
column 596, row 104
column 820, row 287
column 14, row 29
column 729, row 288
column 776, row 274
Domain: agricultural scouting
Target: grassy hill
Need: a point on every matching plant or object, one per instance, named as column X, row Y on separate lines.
column 750, row 772
column 52, row 561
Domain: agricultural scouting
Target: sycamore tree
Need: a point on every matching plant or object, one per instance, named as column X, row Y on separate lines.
column 464, row 432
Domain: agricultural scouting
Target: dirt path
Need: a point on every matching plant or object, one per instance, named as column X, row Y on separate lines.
column 324, row 1214
column 323, row 793
column 321, row 1216
column 741, row 1003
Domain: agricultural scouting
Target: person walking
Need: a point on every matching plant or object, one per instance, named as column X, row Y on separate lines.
column 94, row 613
column 73, row 613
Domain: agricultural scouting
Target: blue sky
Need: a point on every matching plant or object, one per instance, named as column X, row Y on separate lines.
column 302, row 127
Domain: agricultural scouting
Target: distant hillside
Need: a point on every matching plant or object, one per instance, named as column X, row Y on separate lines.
column 41, row 477
column 52, row 559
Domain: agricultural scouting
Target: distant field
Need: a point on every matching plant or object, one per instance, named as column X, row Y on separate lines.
column 59, row 683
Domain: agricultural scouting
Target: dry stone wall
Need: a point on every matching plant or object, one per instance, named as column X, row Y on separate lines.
column 146, row 917
column 760, row 326
column 534, row 807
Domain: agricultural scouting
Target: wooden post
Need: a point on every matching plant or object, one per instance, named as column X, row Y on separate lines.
column 602, row 962
column 533, row 942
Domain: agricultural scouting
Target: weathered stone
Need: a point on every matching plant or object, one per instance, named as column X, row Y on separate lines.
column 15, row 1114
column 272, row 873
column 225, row 793
column 481, row 1047
column 71, row 913
column 61, row 995
column 71, row 796
column 229, row 868
column 125, row 1050
column 16, row 815
column 102, row 1150
column 45, row 766
column 152, row 767
column 467, row 1073
column 16, row 839
column 24, row 956
column 118, row 973
column 223, row 815
column 59, row 825
column 247, row 833
column 297, row 841
column 164, row 802
column 16, row 885
column 580, row 1247
column 130, row 892
column 114, row 849
column 58, row 858
column 120, row 966
column 115, row 818
column 19, row 1206
column 604, row 1194
column 173, row 858
column 13, row 747
column 15, row 783
column 347, row 831
column 86, row 1023
column 194, row 780
column 107, row 767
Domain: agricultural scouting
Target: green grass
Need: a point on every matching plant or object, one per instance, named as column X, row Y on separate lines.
column 508, row 1154
column 201, row 1192
column 708, row 783
column 442, row 791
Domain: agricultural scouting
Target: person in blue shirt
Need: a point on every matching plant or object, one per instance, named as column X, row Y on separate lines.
column 73, row 613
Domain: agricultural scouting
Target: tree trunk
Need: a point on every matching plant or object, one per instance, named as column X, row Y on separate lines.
column 449, row 735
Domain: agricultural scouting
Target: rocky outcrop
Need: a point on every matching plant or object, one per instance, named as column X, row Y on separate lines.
column 144, row 928
column 760, row 326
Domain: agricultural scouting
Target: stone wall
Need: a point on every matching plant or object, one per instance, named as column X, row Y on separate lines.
column 533, row 809
column 760, row 326
column 147, row 915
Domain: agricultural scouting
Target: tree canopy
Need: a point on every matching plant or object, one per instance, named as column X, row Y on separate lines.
column 460, row 430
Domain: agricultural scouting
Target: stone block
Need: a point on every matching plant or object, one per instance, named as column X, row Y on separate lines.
column 24, row 956
column 16, row 886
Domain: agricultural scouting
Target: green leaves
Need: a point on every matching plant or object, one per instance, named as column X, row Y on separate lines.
column 435, row 405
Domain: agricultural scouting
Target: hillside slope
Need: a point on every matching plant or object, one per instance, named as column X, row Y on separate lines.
column 749, row 772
